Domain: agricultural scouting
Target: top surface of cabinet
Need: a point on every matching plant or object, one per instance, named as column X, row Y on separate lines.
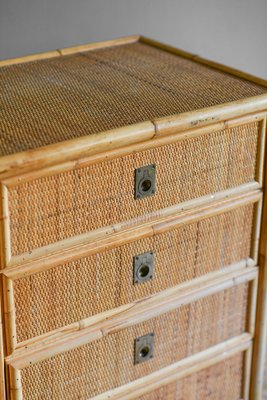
column 71, row 93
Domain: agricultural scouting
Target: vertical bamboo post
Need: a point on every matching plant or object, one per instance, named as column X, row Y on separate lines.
column 259, row 353
column 256, row 231
column 13, row 377
column 2, row 365
column 247, row 372
column 3, row 255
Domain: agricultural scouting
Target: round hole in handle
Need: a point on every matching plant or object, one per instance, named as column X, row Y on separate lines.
column 144, row 352
column 145, row 185
column 143, row 271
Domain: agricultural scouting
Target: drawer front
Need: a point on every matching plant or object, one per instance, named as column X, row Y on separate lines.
column 53, row 208
column 221, row 381
column 76, row 290
column 110, row 362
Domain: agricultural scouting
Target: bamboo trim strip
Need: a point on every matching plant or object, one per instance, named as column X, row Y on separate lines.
column 2, row 346
column 99, row 45
column 259, row 352
column 76, row 148
column 252, row 306
column 15, row 384
column 69, row 50
column 11, row 337
column 9, row 315
column 211, row 115
column 34, row 57
column 5, row 229
column 8, row 310
column 230, row 269
column 153, row 142
column 93, row 242
column 132, row 39
column 179, row 370
column 256, row 231
column 261, row 152
column 3, row 259
column 200, row 60
column 109, row 322
column 247, row 373
column 123, row 138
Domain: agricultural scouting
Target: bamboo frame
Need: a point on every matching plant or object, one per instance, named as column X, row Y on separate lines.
column 50, row 250
column 259, row 353
column 135, row 137
column 247, row 372
column 2, row 348
column 252, row 307
column 5, row 228
column 5, row 320
column 78, row 148
column 147, row 137
column 132, row 39
column 106, row 323
column 203, row 280
column 70, row 50
column 152, row 141
column 198, row 59
column 7, row 291
column 68, row 155
column 179, row 370
column 256, row 231
column 11, row 337
column 261, row 152
column 93, row 242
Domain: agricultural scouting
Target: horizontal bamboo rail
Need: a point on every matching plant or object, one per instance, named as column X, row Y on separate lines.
column 200, row 60
column 153, row 140
column 76, row 148
column 259, row 354
column 70, row 50
column 64, row 339
column 130, row 139
column 179, row 370
column 107, row 238
column 211, row 115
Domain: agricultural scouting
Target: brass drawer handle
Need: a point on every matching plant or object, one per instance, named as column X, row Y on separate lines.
column 144, row 348
column 143, row 267
column 145, row 181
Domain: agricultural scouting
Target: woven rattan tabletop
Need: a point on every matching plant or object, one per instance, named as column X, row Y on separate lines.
column 55, row 99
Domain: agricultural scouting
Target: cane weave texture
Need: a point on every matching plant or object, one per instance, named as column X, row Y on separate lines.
column 85, row 287
column 222, row 381
column 56, row 207
column 109, row 362
column 48, row 101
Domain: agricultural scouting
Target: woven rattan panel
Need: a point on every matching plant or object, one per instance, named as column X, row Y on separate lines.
column 49, row 101
column 76, row 290
column 109, row 362
column 53, row 208
column 222, row 381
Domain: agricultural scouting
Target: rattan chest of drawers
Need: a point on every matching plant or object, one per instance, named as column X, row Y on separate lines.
column 133, row 226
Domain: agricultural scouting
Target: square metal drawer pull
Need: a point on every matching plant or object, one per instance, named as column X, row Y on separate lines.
column 144, row 348
column 145, row 181
column 143, row 267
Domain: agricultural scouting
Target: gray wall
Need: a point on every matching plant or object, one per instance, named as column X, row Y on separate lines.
column 233, row 32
